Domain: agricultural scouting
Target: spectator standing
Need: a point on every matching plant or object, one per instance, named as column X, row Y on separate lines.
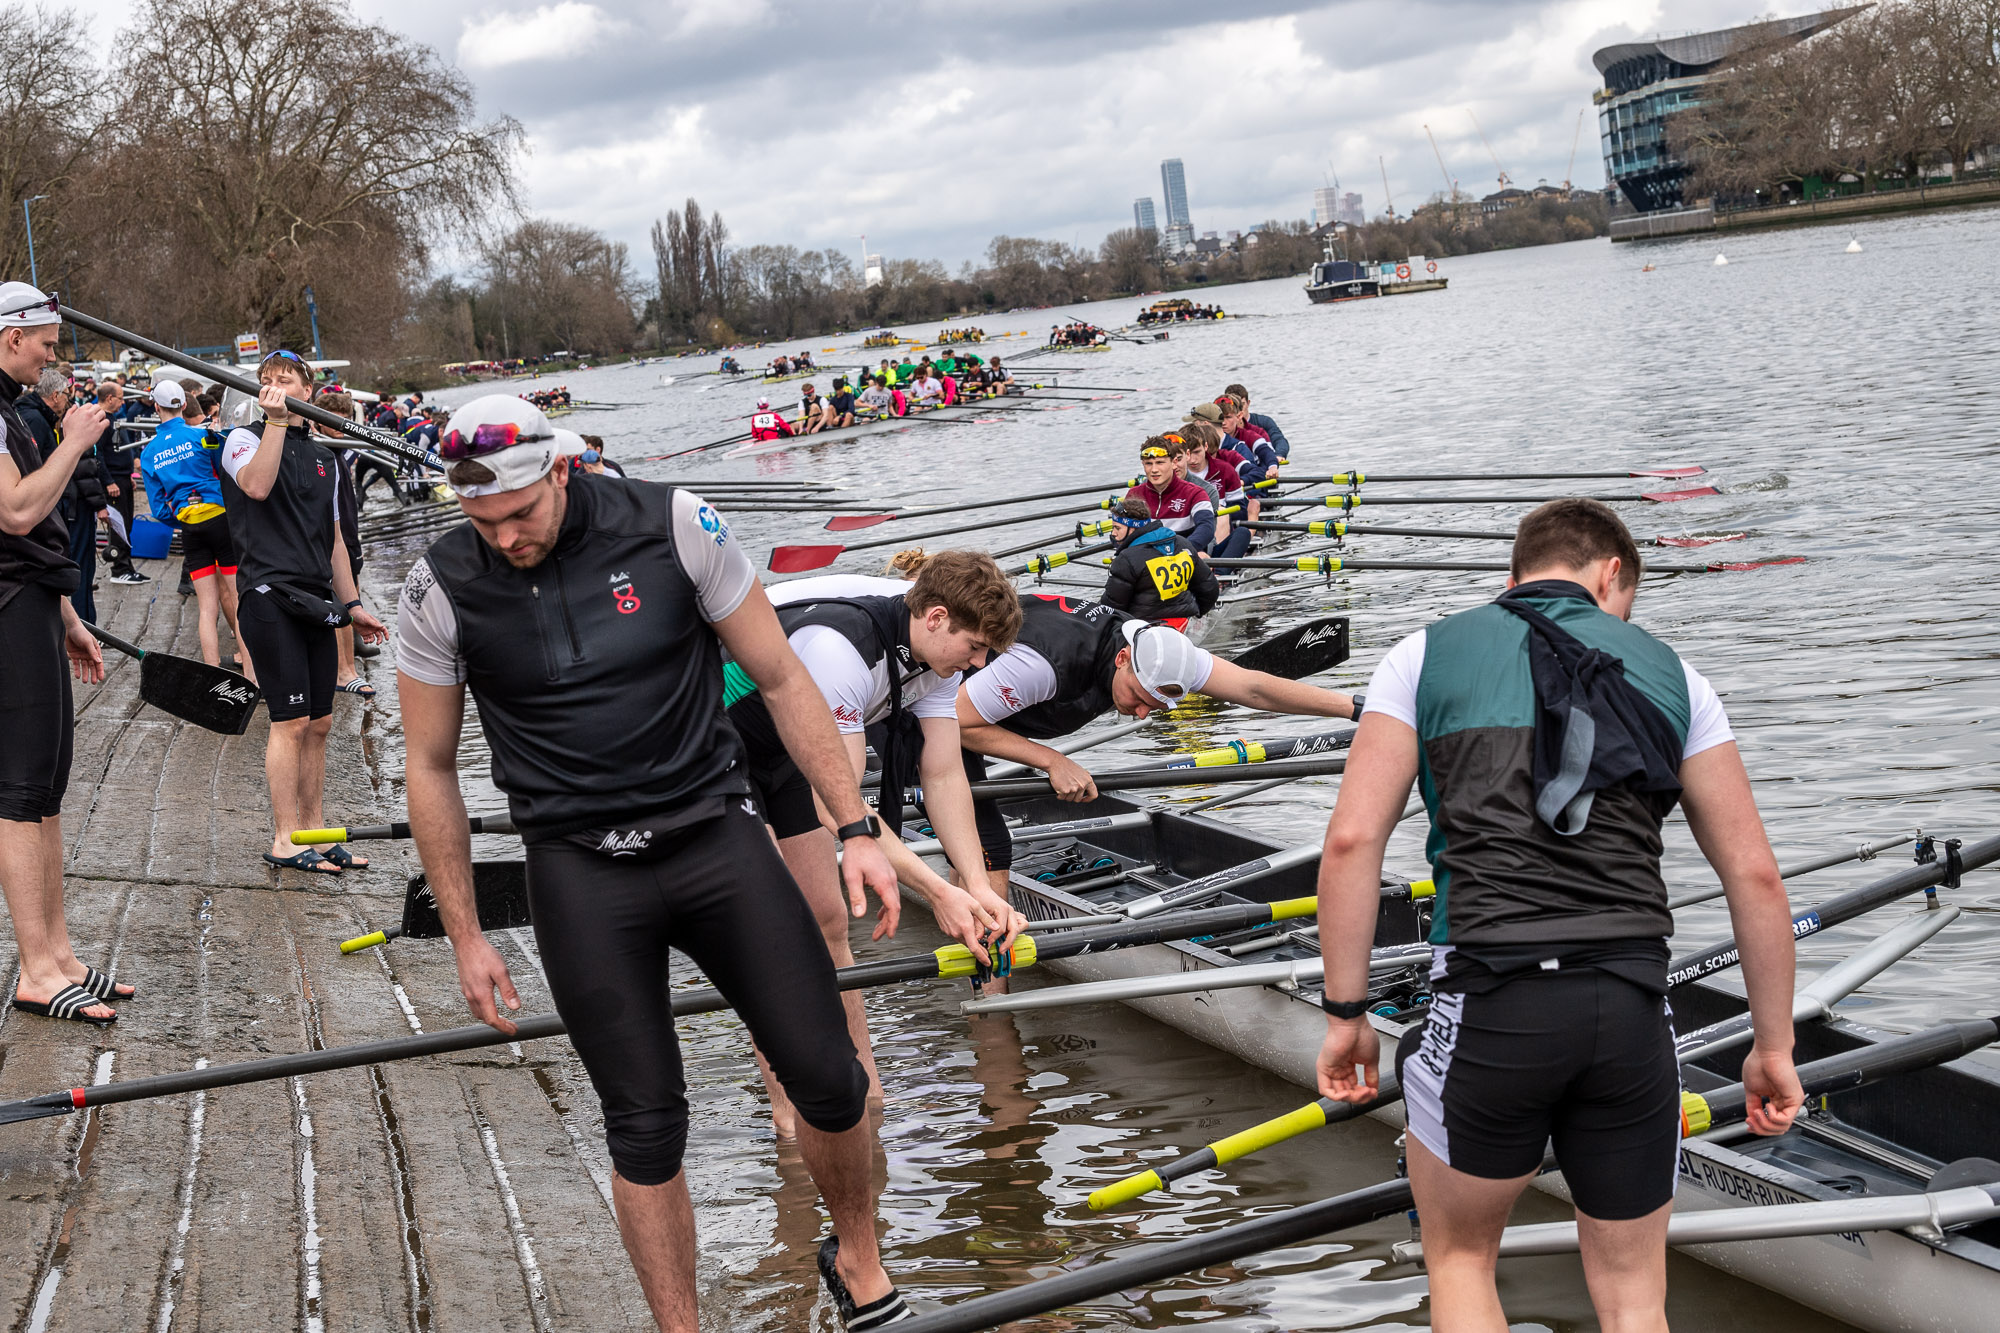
column 118, row 464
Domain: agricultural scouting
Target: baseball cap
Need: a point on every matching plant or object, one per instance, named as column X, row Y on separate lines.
column 511, row 436
column 763, row 402
column 1208, row 412
column 26, row 306
column 168, row 396
column 1168, row 664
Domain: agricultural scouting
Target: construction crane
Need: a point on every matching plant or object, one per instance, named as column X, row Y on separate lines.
column 1574, row 140
column 1385, row 188
column 1505, row 180
column 1450, row 185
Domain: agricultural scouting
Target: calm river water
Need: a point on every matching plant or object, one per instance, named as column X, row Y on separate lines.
column 1846, row 405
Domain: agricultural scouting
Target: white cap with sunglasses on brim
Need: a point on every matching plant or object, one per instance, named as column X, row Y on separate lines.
column 24, row 307
column 1167, row 663
column 511, row 437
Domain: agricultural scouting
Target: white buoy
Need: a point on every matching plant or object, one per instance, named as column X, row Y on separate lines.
column 1720, row 260
column 1854, row 247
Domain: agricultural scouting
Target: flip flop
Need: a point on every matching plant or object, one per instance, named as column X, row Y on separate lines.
column 854, row 1318
column 308, row 859
column 103, row 987
column 69, row 1002
column 357, row 686
column 343, row 858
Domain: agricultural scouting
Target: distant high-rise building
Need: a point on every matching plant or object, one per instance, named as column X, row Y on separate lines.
column 1142, row 214
column 1326, row 205
column 871, row 270
column 1173, row 184
column 1350, row 210
column 1179, row 236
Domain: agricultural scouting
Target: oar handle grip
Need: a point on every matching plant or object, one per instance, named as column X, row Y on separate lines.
column 369, row 941
column 110, row 640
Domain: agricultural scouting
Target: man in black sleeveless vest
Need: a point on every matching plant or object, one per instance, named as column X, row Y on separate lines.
column 587, row 615
column 38, row 628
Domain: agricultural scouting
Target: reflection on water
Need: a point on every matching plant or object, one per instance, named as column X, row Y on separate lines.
column 1843, row 403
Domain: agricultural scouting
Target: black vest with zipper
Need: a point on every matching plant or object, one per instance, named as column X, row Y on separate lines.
column 286, row 537
column 1080, row 639
column 872, row 624
column 39, row 556
column 599, row 684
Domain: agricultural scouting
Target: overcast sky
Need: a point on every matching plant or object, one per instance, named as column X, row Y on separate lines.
column 933, row 126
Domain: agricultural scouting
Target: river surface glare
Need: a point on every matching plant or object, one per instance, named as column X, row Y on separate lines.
column 1846, row 406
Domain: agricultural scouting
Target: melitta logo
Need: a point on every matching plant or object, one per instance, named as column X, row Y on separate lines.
column 626, row 844
column 628, row 600
column 234, row 693
column 1312, row 638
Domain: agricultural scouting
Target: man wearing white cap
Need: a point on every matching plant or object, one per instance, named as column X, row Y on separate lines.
column 38, row 628
column 1075, row 660
column 588, row 616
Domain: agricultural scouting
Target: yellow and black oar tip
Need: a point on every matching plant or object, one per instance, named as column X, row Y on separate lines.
column 1695, row 1115
column 368, row 941
column 314, row 837
column 1126, row 1190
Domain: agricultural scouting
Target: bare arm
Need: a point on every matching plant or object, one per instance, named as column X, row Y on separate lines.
column 27, row 500
column 432, row 718
column 260, row 474
column 1071, row 780
column 1274, row 694
column 371, row 629
column 1377, row 782
column 948, row 799
column 1722, row 814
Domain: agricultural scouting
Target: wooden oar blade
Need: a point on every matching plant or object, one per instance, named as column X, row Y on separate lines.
column 197, row 692
column 855, row 522
column 1311, row 648
column 499, row 890
column 1669, row 497
column 799, row 559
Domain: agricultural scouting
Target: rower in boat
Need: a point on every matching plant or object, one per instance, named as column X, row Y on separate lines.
column 768, row 425
column 1205, row 464
column 729, row 366
column 1003, row 378
column 884, row 653
column 1175, row 501
column 1155, row 575
column 878, row 400
column 779, row 368
column 1184, row 452
column 840, row 404
column 927, row 390
column 812, row 410
column 1550, row 1021
column 1075, row 660
column 1277, row 438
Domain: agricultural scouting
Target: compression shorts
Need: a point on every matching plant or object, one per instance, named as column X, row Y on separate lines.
column 784, row 797
column 296, row 662
column 37, row 716
column 1579, row 1057
column 207, row 548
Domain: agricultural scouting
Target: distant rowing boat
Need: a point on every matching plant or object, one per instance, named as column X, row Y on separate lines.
column 957, row 411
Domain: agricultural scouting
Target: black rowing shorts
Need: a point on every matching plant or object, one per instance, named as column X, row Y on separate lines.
column 206, row 548
column 37, row 716
column 784, row 797
column 994, row 839
column 296, row 660
column 1579, row 1057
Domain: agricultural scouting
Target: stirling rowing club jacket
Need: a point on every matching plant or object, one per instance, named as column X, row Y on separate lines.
column 1184, row 507
column 1503, row 876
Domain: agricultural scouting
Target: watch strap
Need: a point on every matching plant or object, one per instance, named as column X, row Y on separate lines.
column 866, row 827
column 1344, row 1008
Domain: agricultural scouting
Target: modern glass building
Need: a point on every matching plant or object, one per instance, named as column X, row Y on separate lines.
column 1173, row 184
column 1645, row 83
column 1142, row 214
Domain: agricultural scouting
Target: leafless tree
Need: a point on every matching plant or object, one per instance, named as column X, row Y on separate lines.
column 562, row 286
column 51, row 118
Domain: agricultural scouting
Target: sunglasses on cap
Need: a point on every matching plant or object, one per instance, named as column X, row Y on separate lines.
column 292, row 358
column 487, row 439
column 1152, row 451
column 51, row 303
column 1174, row 438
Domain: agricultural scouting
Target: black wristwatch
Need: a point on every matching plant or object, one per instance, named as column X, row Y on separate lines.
column 1360, row 700
column 349, row 606
column 868, row 826
column 1344, row 1009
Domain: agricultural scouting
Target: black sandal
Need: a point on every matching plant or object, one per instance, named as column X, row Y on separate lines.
column 854, row 1318
column 308, row 860
column 103, row 987
column 69, row 1002
column 346, row 860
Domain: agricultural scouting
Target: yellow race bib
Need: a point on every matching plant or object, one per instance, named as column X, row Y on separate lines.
column 1171, row 574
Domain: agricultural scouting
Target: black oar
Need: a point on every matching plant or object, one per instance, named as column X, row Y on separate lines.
column 854, row 522
column 1304, row 650
column 1134, row 779
column 192, row 691
column 499, row 896
column 1353, row 500
column 1724, row 1106
column 1340, row 527
column 347, row 426
column 952, row 961
column 313, row 837
column 1334, row 564
column 1362, row 478
column 1049, row 560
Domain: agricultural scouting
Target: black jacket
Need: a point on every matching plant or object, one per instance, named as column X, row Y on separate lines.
column 1156, row 576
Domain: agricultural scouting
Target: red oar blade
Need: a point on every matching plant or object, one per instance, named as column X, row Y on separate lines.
column 799, row 559
column 855, row 522
column 1700, row 541
column 1668, row 497
column 1668, row 472
column 1734, row 566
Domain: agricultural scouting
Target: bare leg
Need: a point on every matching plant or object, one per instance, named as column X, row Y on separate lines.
column 1625, row 1266
column 228, row 582
column 312, row 771
column 656, row 1223
column 207, row 601
column 281, row 774
column 31, row 878
column 842, row 1167
column 344, row 638
column 1462, row 1218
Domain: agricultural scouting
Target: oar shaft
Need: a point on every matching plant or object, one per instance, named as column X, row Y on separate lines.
column 1363, row 478
column 110, row 640
column 1138, row 778
column 1865, row 852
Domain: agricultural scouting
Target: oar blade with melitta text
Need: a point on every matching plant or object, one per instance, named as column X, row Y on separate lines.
column 1319, row 645
column 196, row 692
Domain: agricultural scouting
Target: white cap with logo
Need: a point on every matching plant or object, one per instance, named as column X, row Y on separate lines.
column 1168, row 664
column 23, row 306
column 169, row 396
column 511, row 437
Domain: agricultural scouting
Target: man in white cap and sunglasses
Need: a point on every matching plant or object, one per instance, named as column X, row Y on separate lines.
column 588, row 616
column 1075, row 660
column 38, row 629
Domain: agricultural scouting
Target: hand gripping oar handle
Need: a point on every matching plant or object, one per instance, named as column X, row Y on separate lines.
column 1869, row 1064
column 953, row 960
column 1137, row 778
column 110, row 640
column 381, row 439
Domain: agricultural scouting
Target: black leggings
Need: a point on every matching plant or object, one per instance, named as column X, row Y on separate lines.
column 994, row 839
column 37, row 722
column 717, row 891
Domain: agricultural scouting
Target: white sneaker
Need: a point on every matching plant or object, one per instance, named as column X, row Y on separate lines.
column 134, row 577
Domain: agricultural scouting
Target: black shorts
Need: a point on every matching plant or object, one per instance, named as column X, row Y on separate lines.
column 783, row 796
column 207, row 548
column 994, row 839
column 1581, row 1058
column 718, row 891
column 296, row 661
column 37, row 716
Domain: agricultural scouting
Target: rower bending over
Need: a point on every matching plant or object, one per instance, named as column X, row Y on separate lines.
column 587, row 615
column 889, row 653
column 1550, row 970
column 1075, row 660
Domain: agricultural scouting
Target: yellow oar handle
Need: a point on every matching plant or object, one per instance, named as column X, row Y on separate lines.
column 1423, row 888
column 314, row 837
column 360, row 942
column 1126, row 1190
column 1258, row 1137
column 1290, row 909
column 955, row 960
